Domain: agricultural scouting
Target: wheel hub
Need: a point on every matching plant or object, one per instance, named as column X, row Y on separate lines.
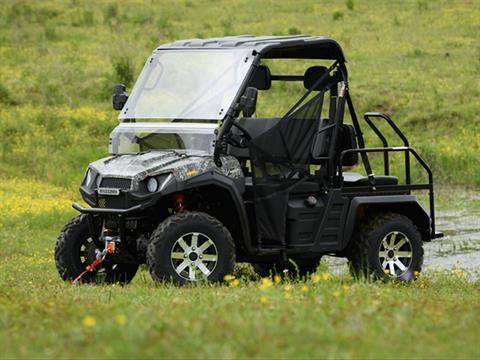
column 194, row 256
column 395, row 253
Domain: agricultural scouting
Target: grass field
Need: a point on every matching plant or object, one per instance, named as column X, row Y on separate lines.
column 419, row 61
column 327, row 315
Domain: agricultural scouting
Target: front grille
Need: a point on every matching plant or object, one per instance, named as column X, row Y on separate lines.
column 112, row 202
column 116, row 183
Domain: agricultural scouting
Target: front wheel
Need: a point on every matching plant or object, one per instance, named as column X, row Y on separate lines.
column 190, row 247
column 388, row 247
column 75, row 251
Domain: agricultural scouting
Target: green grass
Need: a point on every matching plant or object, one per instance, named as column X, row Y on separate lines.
column 416, row 60
column 40, row 316
column 331, row 316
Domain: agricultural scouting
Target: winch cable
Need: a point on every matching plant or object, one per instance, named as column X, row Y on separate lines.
column 100, row 257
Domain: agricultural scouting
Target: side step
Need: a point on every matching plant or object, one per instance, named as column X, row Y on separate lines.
column 270, row 251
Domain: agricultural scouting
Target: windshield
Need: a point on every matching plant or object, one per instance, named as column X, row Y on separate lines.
column 131, row 138
column 188, row 84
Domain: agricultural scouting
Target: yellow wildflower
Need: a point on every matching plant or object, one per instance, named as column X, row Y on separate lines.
column 458, row 272
column 386, row 271
column 287, row 287
column 316, row 278
column 336, row 293
column 89, row 322
column 326, row 276
column 19, row 197
column 121, row 319
column 265, row 283
column 304, row 288
column 235, row 282
column 277, row 278
column 228, row 277
column 263, row 299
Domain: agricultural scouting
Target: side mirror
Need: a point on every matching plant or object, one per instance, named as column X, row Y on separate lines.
column 248, row 101
column 119, row 97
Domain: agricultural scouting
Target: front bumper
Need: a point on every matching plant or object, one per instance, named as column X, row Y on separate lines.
column 93, row 210
column 120, row 214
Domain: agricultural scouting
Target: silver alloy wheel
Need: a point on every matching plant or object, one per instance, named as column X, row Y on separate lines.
column 395, row 253
column 194, row 256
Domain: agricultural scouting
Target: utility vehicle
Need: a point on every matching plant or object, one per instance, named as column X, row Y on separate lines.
column 195, row 181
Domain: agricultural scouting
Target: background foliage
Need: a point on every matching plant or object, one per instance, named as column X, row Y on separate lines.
column 416, row 60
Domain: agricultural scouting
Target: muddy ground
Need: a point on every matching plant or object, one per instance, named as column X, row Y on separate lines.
column 460, row 247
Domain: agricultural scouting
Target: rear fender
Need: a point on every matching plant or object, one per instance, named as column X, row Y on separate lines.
column 363, row 208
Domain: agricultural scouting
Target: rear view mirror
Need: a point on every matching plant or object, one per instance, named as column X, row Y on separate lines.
column 248, row 101
column 119, row 97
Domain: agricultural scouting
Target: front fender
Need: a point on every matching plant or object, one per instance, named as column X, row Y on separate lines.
column 235, row 187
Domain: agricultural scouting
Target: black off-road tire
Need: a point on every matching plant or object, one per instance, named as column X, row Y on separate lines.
column 364, row 249
column 69, row 262
column 300, row 269
column 165, row 236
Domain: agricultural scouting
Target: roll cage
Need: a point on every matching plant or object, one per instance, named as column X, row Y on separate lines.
column 335, row 79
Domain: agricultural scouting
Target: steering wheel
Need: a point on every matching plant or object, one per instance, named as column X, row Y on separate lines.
column 237, row 140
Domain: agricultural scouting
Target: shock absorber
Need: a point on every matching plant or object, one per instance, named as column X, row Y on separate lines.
column 179, row 202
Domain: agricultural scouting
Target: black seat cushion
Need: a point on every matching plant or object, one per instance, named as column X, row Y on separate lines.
column 355, row 179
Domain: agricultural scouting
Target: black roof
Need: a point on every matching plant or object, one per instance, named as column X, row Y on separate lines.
column 293, row 46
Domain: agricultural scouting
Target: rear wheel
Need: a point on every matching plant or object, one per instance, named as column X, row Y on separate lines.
column 388, row 247
column 190, row 247
column 75, row 251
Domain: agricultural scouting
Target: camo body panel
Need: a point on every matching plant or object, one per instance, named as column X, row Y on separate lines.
column 181, row 165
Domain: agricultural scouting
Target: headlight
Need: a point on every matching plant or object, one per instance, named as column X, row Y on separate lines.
column 99, row 181
column 90, row 177
column 152, row 185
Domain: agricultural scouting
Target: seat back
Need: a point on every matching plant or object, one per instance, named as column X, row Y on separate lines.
column 322, row 140
column 261, row 78
column 255, row 127
column 346, row 141
column 312, row 75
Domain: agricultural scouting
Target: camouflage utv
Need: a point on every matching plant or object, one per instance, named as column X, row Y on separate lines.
column 196, row 181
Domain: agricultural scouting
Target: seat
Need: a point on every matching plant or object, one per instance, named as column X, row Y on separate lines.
column 356, row 179
column 255, row 127
column 307, row 187
column 261, row 79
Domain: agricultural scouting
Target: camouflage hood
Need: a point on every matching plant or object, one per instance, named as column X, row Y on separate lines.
column 181, row 164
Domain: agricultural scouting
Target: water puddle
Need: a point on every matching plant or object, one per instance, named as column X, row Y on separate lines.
column 461, row 244
column 460, row 247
